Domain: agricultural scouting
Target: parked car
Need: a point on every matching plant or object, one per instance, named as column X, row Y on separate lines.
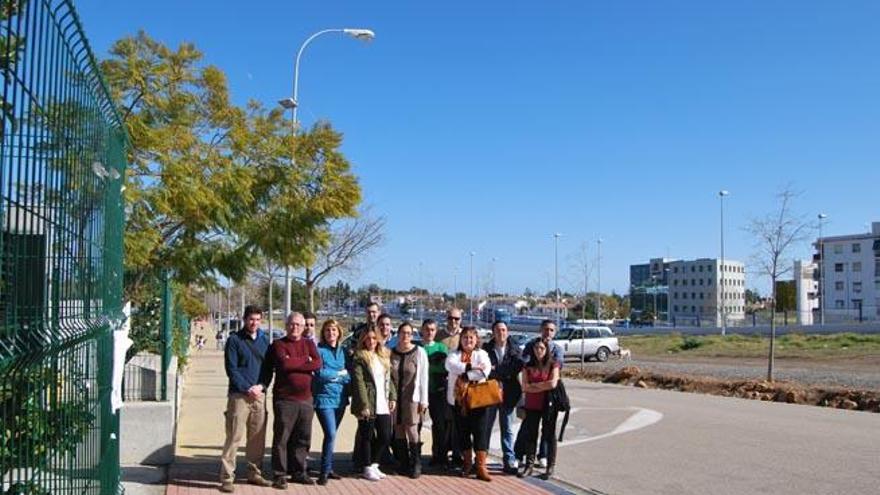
column 588, row 342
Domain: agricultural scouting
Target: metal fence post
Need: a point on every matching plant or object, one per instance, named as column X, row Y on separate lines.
column 166, row 333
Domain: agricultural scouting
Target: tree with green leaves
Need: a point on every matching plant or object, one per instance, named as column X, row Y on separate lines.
column 212, row 188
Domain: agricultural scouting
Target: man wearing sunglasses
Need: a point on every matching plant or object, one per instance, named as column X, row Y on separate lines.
column 450, row 336
column 452, row 332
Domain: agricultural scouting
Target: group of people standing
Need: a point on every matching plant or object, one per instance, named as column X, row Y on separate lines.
column 391, row 391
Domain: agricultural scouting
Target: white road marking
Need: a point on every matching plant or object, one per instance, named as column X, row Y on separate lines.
column 640, row 418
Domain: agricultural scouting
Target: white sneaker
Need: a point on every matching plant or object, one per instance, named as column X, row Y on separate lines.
column 370, row 474
column 379, row 472
column 541, row 463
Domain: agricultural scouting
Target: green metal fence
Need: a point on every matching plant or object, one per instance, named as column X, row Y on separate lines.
column 62, row 157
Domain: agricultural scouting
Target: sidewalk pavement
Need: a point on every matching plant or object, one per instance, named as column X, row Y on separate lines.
column 200, row 436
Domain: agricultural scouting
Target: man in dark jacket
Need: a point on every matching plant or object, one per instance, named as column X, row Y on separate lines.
column 246, row 403
column 506, row 364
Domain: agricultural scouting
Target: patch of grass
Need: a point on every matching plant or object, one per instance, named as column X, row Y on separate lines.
column 789, row 345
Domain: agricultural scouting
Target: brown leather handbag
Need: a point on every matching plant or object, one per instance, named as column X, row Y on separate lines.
column 483, row 394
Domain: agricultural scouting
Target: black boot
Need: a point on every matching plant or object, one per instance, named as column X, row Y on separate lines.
column 548, row 473
column 400, row 450
column 526, row 468
column 415, row 459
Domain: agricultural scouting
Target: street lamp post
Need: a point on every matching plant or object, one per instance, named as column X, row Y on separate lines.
column 293, row 103
column 471, row 309
column 556, row 237
column 598, row 280
column 722, row 310
column 822, row 218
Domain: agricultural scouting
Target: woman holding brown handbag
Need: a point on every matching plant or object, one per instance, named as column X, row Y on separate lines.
column 467, row 365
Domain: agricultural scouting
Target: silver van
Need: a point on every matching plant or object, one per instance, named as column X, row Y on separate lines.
column 587, row 342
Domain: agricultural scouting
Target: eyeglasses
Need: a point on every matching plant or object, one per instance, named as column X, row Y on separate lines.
column 453, row 318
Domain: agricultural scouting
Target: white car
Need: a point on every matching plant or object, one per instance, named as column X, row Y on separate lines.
column 587, row 342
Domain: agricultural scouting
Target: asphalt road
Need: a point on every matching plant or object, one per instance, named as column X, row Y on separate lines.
column 624, row 440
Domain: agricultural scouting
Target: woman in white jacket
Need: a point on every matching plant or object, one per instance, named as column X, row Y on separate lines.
column 409, row 374
column 464, row 365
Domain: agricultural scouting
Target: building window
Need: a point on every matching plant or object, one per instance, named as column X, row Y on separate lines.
column 857, row 287
column 838, row 285
column 684, row 295
column 877, row 288
column 838, row 304
column 693, row 309
column 701, row 281
column 684, row 282
column 857, row 266
column 838, row 248
column 675, row 269
column 701, row 295
column 701, row 268
column 675, row 282
column 709, row 267
column 838, row 267
column 675, row 308
column 709, row 281
column 856, row 247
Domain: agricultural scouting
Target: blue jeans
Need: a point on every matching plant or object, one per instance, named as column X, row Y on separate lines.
column 329, row 420
column 505, row 420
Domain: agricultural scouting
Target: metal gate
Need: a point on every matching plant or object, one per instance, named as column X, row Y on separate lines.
column 62, row 160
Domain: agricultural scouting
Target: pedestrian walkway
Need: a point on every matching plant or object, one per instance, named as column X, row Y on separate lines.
column 200, row 437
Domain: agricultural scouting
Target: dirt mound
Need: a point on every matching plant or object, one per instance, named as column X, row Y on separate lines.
column 792, row 393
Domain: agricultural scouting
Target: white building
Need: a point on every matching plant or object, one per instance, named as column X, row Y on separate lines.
column 806, row 283
column 700, row 290
column 850, row 276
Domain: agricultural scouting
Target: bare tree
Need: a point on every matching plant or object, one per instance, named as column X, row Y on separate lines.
column 349, row 240
column 268, row 271
column 775, row 235
column 579, row 273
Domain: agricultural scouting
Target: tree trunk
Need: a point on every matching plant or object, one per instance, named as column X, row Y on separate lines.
column 772, row 356
column 271, row 283
column 310, row 287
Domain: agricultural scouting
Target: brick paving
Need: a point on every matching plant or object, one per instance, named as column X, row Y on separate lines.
column 200, row 437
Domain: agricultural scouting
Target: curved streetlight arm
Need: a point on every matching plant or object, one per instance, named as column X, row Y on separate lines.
column 361, row 34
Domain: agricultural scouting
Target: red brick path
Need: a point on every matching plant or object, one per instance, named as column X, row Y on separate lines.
column 201, row 479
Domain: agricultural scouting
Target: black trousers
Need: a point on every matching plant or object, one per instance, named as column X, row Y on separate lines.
column 527, row 438
column 439, row 410
column 370, row 447
column 291, row 436
column 473, row 431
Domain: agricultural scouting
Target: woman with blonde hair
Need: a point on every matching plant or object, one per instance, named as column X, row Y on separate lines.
column 469, row 363
column 372, row 401
column 329, row 392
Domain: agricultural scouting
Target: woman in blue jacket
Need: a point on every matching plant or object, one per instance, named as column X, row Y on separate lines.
column 329, row 393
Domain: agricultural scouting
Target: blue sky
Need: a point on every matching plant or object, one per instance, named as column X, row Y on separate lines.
column 487, row 126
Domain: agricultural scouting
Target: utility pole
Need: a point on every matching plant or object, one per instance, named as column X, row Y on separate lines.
column 556, row 237
column 471, row 311
column 723, row 309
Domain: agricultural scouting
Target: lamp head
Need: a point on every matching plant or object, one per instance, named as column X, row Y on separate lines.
column 723, row 193
column 822, row 216
column 360, row 34
column 288, row 103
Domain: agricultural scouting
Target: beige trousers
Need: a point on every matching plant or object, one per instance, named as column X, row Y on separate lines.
column 244, row 418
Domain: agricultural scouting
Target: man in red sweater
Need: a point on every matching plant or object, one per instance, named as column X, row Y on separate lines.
column 291, row 360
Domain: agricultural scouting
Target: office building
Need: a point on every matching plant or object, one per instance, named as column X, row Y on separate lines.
column 649, row 289
column 849, row 276
column 704, row 290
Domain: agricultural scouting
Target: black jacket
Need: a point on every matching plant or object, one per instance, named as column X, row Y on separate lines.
column 507, row 371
